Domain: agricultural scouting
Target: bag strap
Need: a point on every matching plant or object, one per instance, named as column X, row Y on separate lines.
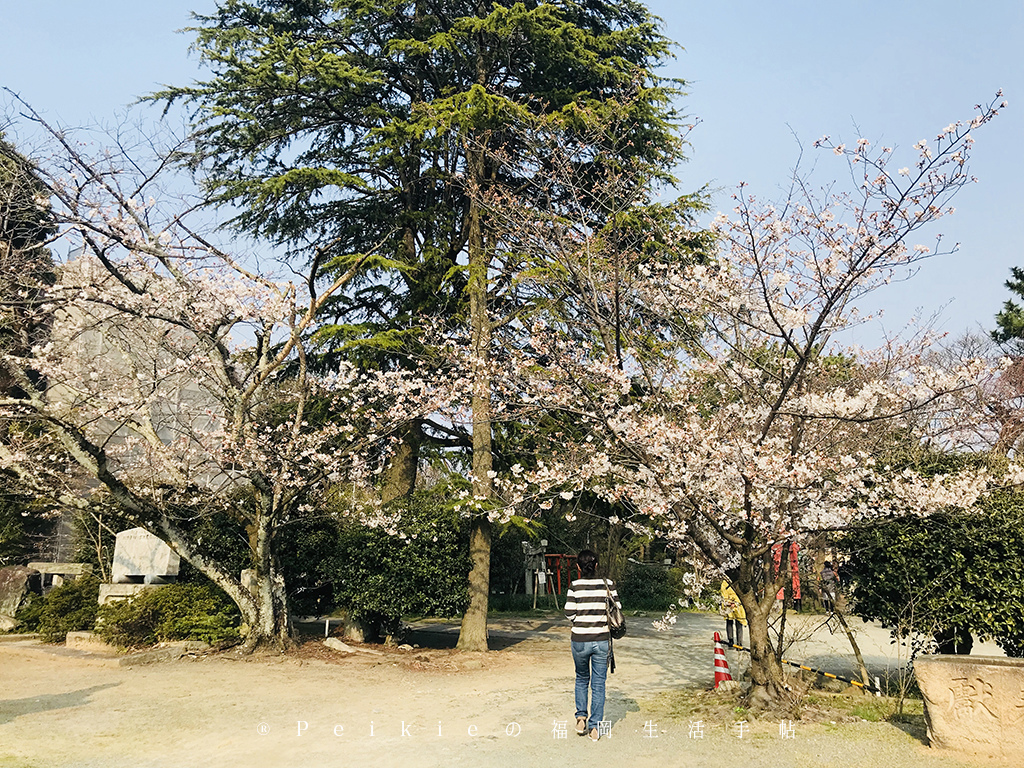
column 608, row 620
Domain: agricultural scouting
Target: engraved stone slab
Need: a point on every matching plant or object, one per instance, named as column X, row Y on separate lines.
column 88, row 641
column 974, row 704
column 140, row 557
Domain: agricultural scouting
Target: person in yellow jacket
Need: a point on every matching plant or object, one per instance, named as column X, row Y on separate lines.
column 732, row 610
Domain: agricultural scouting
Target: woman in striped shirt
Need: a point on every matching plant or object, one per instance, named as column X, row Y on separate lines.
column 586, row 607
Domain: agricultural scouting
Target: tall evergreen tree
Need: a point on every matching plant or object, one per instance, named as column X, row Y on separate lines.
column 1010, row 321
column 26, row 226
column 335, row 126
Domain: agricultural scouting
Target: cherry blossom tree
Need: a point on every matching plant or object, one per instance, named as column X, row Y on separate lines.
column 753, row 422
column 175, row 383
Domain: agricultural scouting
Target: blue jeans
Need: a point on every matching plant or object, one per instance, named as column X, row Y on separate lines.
column 591, row 660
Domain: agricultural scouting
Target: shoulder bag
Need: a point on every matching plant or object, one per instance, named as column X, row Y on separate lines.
column 616, row 621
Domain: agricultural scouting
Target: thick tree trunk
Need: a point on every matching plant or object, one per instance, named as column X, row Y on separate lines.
column 473, row 635
column 271, row 625
column 768, row 690
column 400, row 475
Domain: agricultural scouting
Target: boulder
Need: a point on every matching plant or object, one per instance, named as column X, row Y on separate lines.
column 336, row 645
column 16, row 583
column 357, row 630
column 163, row 652
column 831, row 684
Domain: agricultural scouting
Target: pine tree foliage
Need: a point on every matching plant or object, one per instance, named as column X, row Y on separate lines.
column 337, row 126
column 1010, row 320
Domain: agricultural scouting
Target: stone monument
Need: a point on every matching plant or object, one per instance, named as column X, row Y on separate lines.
column 140, row 559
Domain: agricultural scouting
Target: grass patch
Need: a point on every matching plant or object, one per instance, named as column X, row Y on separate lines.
column 685, row 704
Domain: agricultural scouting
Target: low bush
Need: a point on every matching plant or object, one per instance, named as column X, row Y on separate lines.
column 71, row 607
column 171, row 612
column 646, row 587
column 30, row 614
column 375, row 576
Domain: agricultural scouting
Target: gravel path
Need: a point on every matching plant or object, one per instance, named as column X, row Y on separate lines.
column 426, row 707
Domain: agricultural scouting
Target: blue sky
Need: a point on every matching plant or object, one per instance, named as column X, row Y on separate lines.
column 761, row 76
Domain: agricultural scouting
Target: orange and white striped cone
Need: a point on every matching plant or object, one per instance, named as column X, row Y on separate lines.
column 721, row 665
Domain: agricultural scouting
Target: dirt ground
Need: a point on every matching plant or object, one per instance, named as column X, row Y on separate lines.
column 431, row 706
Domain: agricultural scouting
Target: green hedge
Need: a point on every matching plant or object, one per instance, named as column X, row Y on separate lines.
column 30, row 614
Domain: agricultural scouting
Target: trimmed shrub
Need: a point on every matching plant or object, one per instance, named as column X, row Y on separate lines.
column 647, row 587
column 71, row 607
column 171, row 612
column 378, row 577
column 947, row 575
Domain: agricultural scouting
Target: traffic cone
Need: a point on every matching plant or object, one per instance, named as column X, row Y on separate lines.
column 721, row 665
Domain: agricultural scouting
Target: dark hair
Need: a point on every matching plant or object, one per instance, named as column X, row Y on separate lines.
column 828, row 564
column 587, row 561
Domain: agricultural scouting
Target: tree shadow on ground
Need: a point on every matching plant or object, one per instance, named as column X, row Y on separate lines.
column 14, row 708
column 443, row 638
column 445, row 635
column 681, row 660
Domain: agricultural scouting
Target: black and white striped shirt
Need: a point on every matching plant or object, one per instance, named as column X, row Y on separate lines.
column 585, row 606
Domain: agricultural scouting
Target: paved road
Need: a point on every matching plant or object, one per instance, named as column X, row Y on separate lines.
column 684, row 653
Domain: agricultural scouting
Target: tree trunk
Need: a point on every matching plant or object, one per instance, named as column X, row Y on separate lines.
column 611, row 559
column 271, row 624
column 768, row 691
column 954, row 640
column 400, row 475
column 473, row 635
column 864, row 677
